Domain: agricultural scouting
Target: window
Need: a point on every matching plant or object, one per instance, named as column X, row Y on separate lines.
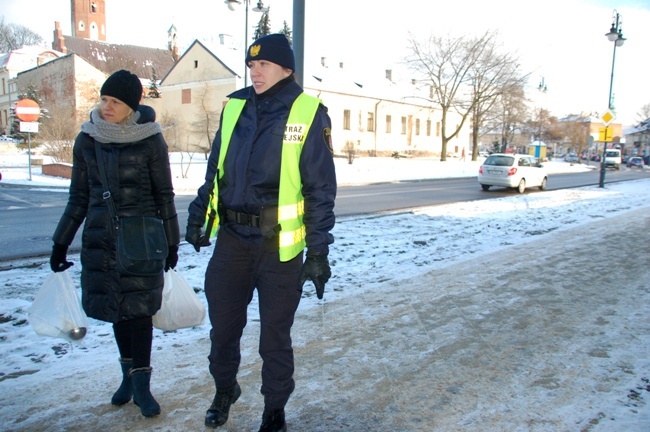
column 417, row 126
column 428, row 127
column 93, row 7
column 388, row 124
column 196, row 64
column 82, row 26
column 371, row 122
column 346, row 119
column 437, row 129
column 4, row 90
column 186, row 96
column 403, row 125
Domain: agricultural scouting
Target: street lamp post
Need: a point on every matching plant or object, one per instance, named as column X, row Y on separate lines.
column 232, row 5
column 542, row 89
column 615, row 35
column 299, row 38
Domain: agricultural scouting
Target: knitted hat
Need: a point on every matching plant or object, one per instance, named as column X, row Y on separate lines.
column 125, row 86
column 274, row 48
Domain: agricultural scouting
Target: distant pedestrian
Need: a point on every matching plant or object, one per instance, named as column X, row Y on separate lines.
column 140, row 181
column 462, row 155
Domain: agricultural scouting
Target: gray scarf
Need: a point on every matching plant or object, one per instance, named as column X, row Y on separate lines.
column 126, row 132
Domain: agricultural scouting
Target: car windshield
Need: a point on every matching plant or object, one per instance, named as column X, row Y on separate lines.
column 612, row 153
column 499, row 160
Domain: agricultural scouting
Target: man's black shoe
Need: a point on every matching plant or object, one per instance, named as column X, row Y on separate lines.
column 217, row 414
column 273, row 421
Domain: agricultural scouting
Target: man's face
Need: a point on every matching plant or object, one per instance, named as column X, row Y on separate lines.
column 265, row 74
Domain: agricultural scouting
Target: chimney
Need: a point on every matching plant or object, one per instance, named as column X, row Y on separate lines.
column 58, row 44
column 389, row 74
column 323, row 61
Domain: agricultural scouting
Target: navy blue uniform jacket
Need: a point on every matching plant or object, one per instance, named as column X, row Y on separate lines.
column 251, row 175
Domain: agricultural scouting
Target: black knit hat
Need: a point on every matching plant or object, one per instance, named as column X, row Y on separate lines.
column 125, row 86
column 274, row 48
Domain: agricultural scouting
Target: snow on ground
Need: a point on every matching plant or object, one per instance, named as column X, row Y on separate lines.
column 377, row 261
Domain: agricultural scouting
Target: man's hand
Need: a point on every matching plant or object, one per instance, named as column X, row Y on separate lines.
column 317, row 269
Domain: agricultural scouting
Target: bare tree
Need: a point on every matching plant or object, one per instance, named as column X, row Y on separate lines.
column 452, row 66
column 14, row 36
column 87, row 99
column 206, row 120
column 497, row 86
column 177, row 139
column 58, row 133
column 644, row 113
column 574, row 132
column 504, row 119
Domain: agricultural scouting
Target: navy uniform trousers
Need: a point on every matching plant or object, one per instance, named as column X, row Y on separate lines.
column 237, row 267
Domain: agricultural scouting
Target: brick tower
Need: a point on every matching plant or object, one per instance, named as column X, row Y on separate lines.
column 89, row 19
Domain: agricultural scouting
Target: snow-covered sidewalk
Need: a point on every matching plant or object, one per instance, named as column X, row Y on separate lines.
column 535, row 337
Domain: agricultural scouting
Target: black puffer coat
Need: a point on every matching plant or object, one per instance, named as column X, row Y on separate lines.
column 140, row 181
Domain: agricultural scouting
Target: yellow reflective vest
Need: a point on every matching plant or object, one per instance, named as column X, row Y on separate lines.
column 291, row 203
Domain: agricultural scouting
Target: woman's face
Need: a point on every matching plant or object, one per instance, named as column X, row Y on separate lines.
column 266, row 74
column 113, row 110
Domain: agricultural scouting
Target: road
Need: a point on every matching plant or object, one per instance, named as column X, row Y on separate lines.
column 30, row 216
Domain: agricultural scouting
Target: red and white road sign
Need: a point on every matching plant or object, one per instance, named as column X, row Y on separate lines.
column 27, row 110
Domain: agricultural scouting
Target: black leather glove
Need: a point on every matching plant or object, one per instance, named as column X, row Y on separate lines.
column 194, row 236
column 172, row 257
column 317, row 269
column 58, row 262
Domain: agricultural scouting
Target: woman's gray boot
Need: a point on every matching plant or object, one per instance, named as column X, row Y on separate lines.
column 142, row 397
column 125, row 392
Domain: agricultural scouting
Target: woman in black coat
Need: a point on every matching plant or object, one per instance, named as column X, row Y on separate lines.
column 137, row 168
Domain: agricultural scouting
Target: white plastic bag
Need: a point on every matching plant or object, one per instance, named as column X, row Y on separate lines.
column 56, row 310
column 181, row 307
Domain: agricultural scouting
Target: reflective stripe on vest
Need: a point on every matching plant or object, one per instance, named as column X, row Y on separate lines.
column 231, row 114
column 291, row 203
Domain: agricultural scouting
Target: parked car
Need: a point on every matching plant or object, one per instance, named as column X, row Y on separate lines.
column 571, row 157
column 635, row 161
column 512, row 170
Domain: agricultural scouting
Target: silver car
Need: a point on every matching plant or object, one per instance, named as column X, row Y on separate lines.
column 512, row 170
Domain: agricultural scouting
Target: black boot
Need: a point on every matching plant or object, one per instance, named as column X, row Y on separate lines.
column 141, row 394
column 217, row 414
column 273, row 420
column 125, row 392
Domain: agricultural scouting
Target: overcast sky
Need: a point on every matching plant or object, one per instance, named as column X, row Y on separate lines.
column 562, row 41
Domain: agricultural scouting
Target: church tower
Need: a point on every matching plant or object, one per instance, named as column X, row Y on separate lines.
column 89, row 19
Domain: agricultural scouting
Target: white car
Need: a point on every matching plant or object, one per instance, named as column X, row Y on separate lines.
column 512, row 170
